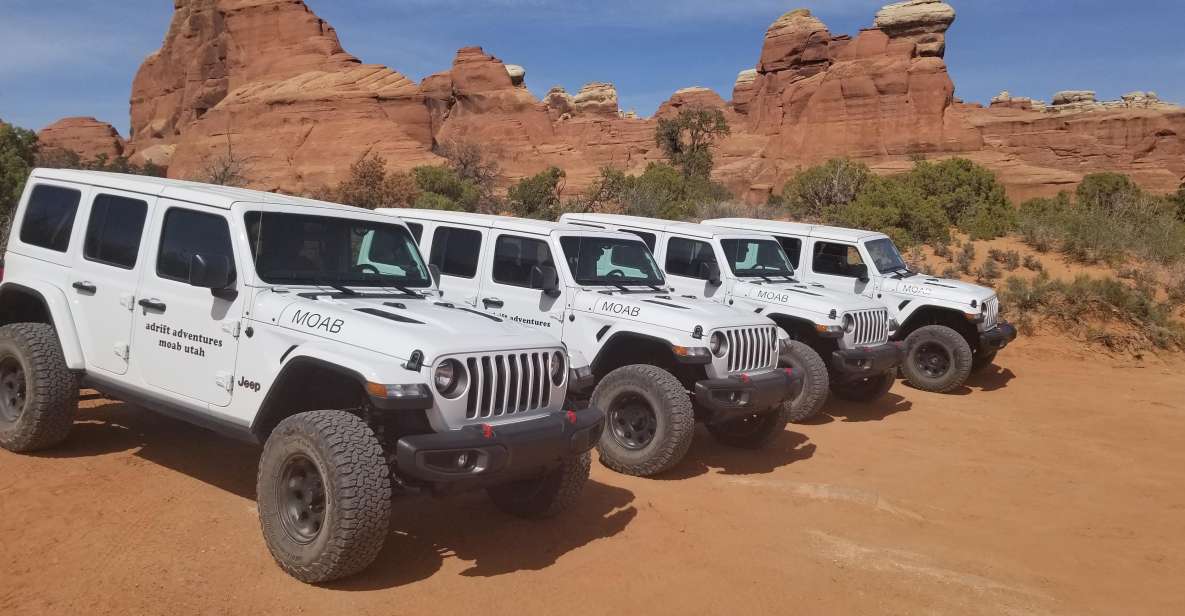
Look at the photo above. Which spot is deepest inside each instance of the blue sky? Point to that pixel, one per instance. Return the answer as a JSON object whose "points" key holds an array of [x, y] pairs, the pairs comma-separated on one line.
{"points": [[78, 57]]}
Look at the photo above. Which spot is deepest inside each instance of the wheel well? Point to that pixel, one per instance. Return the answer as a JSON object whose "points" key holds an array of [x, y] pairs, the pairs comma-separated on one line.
{"points": [[804, 331], [933, 315], [625, 348], [306, 384], [22, 305]]}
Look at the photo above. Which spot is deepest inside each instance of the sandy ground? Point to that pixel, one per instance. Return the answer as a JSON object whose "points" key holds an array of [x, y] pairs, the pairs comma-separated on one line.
{"points": [[1055, 484]]}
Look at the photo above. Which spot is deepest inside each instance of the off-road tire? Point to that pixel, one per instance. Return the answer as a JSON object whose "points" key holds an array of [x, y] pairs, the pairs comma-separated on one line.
{"points": [[959, 358], [673, 412], [41, 392], [867, 389], [752, 432], [982, 360], [810, 399], [356, 494], [546, 496]]}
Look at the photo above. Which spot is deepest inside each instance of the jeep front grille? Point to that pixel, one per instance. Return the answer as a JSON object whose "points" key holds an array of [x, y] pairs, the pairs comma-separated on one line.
{"points": [[508, 383], [751, 348], [991, 312], [872, 327]]}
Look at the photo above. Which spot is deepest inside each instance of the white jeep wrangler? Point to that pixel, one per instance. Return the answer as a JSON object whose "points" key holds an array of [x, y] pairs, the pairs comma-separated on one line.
{"points": [[950, 328], [840, 342], [658, 361], [309, 327]]}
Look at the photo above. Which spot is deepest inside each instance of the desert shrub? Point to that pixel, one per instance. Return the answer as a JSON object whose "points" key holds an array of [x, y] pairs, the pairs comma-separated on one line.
{"points": [[370, 185], [437, 181], [18, 151], [915, 258], [1033, 263], [942, 249], [474, 162], [969, 194], [1010, 259], [812, 194], [965, 258], [951, 272], [987, 272], [537, 196], [686, 139], [899, 210], [661, 191]]}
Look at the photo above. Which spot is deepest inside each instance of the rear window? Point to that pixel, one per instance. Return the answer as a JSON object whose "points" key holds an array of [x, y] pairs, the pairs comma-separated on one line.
{"points": [[49, 217], [792, 246], [186, 233], [114, 230]]}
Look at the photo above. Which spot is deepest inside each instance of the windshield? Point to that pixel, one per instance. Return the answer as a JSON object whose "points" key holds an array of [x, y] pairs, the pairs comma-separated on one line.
{"points": [[885, 256], [752, 257], [610, 261], [300, 249]]}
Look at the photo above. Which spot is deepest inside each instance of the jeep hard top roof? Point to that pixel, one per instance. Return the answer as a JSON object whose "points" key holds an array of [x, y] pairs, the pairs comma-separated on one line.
{"points": [[181, 190], [510, 223], [658, 225], [840, 234]]}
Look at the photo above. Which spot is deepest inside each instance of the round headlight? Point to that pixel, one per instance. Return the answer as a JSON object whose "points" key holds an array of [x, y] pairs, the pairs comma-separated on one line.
{"points": [[718, 344], [449, 377], [558, 368], [849, 324]]}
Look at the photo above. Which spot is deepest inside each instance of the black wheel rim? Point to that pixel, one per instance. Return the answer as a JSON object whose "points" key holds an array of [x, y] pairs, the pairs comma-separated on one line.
{"points": [[301, 493], [13, 389], [633, 422], [932, 359]]}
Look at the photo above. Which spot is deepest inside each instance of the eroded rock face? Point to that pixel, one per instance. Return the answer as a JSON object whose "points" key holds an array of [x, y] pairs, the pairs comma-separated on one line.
{"points": [[795, 41], [87, 137], [597, 98], [915, 17], [518, 74], [742, 90], [689, 98]]}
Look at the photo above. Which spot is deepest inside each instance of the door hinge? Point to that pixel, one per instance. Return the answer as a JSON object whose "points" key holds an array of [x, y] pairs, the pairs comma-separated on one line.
{"points": [[128, 301], [232, 328], [122, 350], [225, 380]]}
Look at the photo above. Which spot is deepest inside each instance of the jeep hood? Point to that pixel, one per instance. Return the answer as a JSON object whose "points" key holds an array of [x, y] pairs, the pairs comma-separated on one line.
{"points": [[803, 296], [396, 326], [924, 286], [664, 310]]}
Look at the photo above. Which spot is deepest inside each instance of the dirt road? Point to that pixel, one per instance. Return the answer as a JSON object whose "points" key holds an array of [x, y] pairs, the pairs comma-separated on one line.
{"points": [[1055, 484]]}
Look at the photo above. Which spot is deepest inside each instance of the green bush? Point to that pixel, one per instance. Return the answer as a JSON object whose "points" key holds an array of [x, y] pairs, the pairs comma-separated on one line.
{"points": [[812, 194], [661, 191], [371, 186], [537, 196], [969, 194], [899, 210], [440, 183], [686, 139], [18, 151]]}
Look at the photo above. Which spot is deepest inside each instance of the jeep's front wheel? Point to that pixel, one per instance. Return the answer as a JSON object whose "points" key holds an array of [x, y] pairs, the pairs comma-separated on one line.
{"points": [[867, 389], [937, 359], [324, 495], [38, 393], [810, 399], [548, 495], [649, 420]]}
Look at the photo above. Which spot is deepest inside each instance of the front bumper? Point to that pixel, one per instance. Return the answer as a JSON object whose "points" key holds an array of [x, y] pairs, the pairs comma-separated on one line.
{"points": [[488, 454], [744, 394], [865, 361], [997, 337]]}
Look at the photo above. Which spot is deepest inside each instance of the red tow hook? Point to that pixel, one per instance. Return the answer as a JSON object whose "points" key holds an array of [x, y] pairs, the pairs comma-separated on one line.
{"points": [[572, 417], [789, 371], [745, 378], [487, 431]]}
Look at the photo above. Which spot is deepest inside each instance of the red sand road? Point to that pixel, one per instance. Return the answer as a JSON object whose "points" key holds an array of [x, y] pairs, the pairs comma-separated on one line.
{"points": [[1054, 484]]}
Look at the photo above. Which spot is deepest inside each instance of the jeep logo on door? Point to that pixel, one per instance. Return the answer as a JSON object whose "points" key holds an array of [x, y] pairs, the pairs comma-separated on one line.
{"points": [[620, 309]]}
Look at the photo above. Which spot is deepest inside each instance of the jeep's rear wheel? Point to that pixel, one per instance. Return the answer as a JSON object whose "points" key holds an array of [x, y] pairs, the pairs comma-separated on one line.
{"points": [[810, 399], [38, 393], [324, 495], [649, 420], [866, 389], [753, 431], [937, 359], [546, 496]]}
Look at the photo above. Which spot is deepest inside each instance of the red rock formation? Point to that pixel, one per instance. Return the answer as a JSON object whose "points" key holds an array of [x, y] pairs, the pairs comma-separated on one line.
{"points": [[87, 137], [271, 79]]}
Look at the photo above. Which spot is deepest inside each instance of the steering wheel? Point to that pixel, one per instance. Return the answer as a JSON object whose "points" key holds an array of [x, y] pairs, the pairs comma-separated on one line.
{"points": [[615, 274], [362, 267]]}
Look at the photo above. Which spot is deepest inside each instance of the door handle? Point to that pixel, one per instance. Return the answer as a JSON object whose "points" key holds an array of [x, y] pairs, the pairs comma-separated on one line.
{"points": [[153, 304], [493, 302], [85, 286]]}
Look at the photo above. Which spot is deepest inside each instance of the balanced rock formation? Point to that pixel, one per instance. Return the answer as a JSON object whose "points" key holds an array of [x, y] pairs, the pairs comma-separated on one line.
{"points": [[87, 137], [268, 81]]}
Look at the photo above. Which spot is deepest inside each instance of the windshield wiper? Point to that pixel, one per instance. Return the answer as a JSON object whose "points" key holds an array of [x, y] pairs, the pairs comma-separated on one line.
{"points": [[340, 288]]}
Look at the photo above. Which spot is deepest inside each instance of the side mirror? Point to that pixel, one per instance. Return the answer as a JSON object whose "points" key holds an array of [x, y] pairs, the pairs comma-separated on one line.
{"points": [[547, 279], [710, 272], [860, 271], [210, 271], [434, 271]]}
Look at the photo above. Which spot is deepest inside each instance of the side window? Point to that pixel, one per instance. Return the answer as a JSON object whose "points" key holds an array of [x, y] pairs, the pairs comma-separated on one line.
{"points": [[647, 238], [515, 260], [835, 259], [186, 233], [417, 230], [792, 247], [114, 230], [49, 217], [689, 258], [455, 251]]}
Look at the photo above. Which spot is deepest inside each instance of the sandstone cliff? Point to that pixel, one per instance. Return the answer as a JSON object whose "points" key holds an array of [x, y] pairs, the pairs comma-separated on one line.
{"points": [[272, 79], [88, 137]]}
